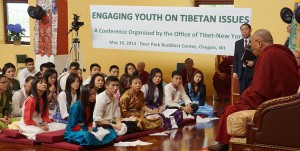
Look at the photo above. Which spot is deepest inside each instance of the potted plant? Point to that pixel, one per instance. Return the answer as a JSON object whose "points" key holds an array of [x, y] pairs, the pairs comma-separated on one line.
{"points": [[15, 32]]}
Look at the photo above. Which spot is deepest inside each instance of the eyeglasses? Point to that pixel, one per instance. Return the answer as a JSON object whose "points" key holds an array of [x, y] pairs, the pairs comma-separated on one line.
{"points": [[254, 41]]}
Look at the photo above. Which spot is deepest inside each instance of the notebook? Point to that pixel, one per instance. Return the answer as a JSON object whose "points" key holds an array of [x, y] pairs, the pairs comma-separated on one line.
{"points": [[248, 55]]}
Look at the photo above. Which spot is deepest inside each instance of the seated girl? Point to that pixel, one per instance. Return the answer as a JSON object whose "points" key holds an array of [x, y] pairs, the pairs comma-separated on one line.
{"points": [[67, 98], [154, 92], [50, 77], [123, 85], [5, 107], [196, 90], [130, 69], [132, 106], [13, 85], [35, 117], [98, 82], [80, 128], [20, 96], [154, 95]]}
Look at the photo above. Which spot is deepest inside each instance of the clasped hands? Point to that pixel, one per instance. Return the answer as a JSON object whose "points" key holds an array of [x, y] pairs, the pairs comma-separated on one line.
{"points": [[44, 126], [187, 109], [5, 120]]}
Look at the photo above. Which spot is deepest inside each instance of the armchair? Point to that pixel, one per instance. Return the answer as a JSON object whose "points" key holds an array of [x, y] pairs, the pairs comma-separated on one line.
{"points": [[275, 125]]}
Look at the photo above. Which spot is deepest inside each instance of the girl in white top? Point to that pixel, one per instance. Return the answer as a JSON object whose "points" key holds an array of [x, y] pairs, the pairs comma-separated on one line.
{"points": [[68, 97], [50, 77], [154, 92], [20, 96], [35, 117]]}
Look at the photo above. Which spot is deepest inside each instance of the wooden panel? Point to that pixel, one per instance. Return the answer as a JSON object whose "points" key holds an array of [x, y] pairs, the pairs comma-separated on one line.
{"points": [[235, 84], [235, 97], [62, 30], [235, 92]]}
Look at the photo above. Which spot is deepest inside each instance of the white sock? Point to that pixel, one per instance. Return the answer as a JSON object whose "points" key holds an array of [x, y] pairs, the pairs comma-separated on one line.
{"points": [[173, 122]]}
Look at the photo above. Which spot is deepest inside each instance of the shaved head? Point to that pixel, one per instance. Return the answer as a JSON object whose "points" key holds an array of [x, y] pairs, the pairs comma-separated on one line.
{"points": [[140, 66], [263, 35], [260, 40]]}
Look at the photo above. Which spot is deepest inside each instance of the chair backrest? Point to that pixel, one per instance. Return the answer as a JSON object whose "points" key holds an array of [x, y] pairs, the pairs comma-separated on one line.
{"points": [[180, 66], [20, 62], [21, 58]]}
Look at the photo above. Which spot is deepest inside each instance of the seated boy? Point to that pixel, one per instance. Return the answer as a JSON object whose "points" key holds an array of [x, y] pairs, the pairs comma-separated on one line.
{"points": [[106, 111], [174, 93]]}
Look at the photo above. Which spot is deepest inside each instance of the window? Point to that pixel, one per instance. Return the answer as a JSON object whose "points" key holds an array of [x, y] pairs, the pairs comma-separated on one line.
{"points": [[216, 6], [15, 11], [213, 3]]}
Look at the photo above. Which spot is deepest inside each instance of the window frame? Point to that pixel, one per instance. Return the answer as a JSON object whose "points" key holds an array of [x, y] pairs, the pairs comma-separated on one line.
{"points": [[5, 19], [199, 2]]}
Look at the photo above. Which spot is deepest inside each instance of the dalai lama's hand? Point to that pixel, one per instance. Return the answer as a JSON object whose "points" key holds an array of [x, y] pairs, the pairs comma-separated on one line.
{"points": [[222, 76]]}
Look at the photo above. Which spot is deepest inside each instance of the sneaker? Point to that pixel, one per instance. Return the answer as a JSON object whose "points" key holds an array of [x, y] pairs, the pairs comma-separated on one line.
{"points": [[218, 147]]}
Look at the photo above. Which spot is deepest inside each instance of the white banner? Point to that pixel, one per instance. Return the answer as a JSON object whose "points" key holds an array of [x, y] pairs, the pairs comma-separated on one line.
{"points": [[168, 29]]}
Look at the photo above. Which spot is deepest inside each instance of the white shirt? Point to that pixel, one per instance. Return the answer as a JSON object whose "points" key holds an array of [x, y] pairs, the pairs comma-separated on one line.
{"points": [[87, 81], [106, 108], [17, 102], [172, 96], [24, 73], [62, 80], [62, 102]]}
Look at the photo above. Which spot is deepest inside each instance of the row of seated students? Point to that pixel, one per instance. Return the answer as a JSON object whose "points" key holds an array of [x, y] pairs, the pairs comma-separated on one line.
{"points": [[140, 106]]}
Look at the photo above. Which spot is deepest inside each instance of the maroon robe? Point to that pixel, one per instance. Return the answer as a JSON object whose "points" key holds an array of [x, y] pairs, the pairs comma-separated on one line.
{"points": [[187, 77], [144, 76], [275, 75], [223, 86]]}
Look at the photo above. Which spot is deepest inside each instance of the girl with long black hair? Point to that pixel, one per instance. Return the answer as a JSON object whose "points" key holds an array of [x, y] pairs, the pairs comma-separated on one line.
{"points": [[196, 90], [35, 118], [79, 129]]}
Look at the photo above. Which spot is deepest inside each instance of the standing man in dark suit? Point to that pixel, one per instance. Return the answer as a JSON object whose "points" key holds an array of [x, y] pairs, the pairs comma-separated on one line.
{"points": [[243, 71]]}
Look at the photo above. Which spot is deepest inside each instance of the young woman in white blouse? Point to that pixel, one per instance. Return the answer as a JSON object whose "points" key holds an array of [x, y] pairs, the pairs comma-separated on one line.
{"points": [[67, 98]]}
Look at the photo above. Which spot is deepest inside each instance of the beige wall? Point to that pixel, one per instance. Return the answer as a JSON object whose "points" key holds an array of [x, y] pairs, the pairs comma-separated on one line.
{"points": [[265, 15]]}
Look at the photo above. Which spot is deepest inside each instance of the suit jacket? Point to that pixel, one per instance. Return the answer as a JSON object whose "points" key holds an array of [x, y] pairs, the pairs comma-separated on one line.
{"points": [[237, 62]]}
